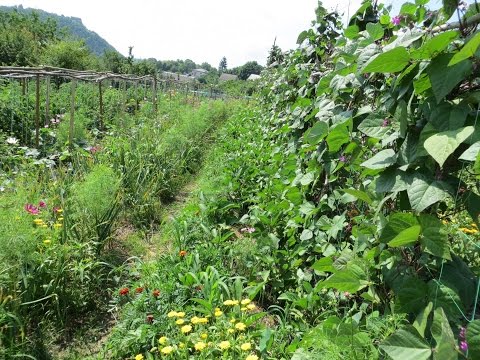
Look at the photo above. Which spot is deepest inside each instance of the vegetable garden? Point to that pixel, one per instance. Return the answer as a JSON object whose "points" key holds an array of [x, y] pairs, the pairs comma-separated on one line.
{"points": [[337, 217]]}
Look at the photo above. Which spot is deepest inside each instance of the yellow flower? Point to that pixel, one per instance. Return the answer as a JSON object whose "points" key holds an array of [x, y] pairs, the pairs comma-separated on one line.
{"points": [[217, 309], [232, 321], [139, 357], [474, 225], [57, 226], [47, 241], [230, 331], [181, 345], [251, 357], [186, 329], [202, 320], [251, 307], [163, 340], [180, 322], [180, 314], [59, 211], [246, 301], [204, 336], [199, 346], [60, 219], [246, 346], [243, 308], [230, 302], [172, 314], [44, 226], [224, 345], [218, 313], [166, 350], [240, 326], [197, 320], [38, 221]]}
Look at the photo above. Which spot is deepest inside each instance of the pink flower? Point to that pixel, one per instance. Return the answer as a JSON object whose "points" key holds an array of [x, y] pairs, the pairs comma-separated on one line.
{"points": [[31, 209], [463, 346], [396, 20], [385, 123], [248, 230], [42, 204]]}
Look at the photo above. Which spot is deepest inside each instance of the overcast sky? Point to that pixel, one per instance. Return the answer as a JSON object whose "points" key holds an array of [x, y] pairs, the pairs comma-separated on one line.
{"points": [[199, 30]]}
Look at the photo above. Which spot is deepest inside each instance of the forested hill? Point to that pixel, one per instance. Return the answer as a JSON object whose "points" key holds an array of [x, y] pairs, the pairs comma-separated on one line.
{"points": [[74, 26]]}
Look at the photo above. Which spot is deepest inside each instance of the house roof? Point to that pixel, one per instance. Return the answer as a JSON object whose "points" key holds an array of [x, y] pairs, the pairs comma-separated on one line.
{"points": [[253, 77], [225, 77]]}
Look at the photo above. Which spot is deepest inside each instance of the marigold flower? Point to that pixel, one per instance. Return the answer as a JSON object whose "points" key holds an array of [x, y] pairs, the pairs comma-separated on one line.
{"points": [[139, 290], [243, 308], [172, 314], [38, 221], [44, 226], [245, 301], [180, 322], [180, 314], [166, 350], [139, 357], [240, 326], [251, 357], [47, 241], [251, 307], [163, 340], [224, 345], [57, 225], [218, 313], [199, 346], [182, 253], [124, 291], [181, 345], [232, 321], [204, 336], [230, 302], [156, 293], [230, 331], [186, 329], [246, 346]]}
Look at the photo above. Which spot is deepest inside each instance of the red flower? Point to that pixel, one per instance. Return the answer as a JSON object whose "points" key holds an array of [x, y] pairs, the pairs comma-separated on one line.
{"points": [[139, 290], [156, 293], [31, 209], [182, 253], [42, 204], [149, 319], [124, 291]]}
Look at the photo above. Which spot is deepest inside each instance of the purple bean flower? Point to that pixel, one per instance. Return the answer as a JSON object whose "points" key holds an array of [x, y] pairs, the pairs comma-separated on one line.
{"points": [[385, 123], [342, 158], [396, 20], [463, 346]]}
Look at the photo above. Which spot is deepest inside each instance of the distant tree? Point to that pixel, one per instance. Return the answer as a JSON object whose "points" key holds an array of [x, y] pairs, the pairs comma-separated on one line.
{"points": [[222, 67], [113, 61], [251, 67], [275, 55], [70, 55], [206, 66], [189, 65], [144, 67]]}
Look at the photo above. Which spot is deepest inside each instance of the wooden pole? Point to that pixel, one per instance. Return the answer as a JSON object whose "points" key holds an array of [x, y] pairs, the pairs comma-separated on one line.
{"points": [[154, 95], [37, 111], [24, 90], [72, 113], [47, 101], [100, 106]]}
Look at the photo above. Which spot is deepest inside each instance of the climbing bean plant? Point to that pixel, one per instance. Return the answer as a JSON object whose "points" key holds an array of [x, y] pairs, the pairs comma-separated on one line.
{"points": [[365, 173]]}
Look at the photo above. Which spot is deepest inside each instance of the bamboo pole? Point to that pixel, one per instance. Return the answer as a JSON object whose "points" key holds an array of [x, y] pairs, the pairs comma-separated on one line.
{"points": [[72, 113], [154, 96]]}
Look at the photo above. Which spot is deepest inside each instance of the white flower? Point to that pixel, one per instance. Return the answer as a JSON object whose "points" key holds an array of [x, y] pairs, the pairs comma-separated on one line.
{"points": [[12, 141]]}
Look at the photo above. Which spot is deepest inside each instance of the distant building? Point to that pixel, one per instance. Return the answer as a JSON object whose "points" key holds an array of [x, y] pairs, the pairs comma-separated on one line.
{"points": [[226, 77], [254, 77], [197, 73]]}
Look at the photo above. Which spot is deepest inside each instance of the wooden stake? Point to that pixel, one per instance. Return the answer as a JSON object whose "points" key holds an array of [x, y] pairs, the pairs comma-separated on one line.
{"points": [[37, 111], [72, 113], [47, 101], [154, 95], [100, 106]]}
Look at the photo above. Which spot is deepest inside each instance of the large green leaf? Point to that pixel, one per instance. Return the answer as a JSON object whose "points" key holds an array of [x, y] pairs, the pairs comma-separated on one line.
{"points": [[423, 192], [397, 224], [373, 126], [391, 61], [449, 7], [440, 146], [375, 30], [442, 333], [324, 264], [434, 238], [392, 180], [445, 297], [444, 78], [316, 133], [448, 116], [471, 153], [406, 237], [473, 339], [435, 45], [359, 195], [411, 295], [351, 279], [421, 320], [381, 160], [406, 344], [337, 137], [467, 51], [351, 32]]}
